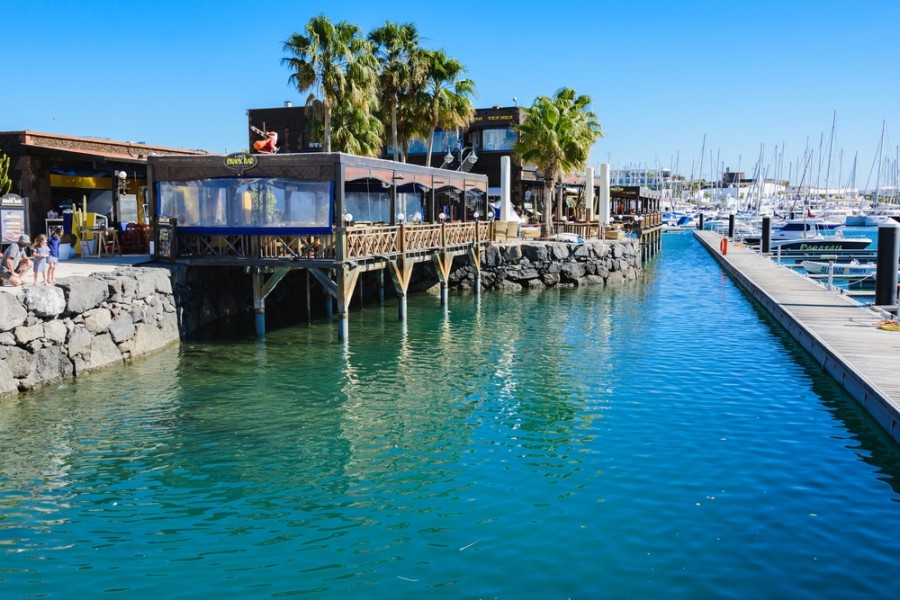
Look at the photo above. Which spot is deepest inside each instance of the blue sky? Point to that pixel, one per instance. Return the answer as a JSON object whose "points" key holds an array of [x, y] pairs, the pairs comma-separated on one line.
{"points": [[747, 75]]}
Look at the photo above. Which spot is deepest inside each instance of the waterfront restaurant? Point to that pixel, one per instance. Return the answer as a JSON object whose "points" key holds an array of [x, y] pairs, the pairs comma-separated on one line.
{"points": [[334, 214]]}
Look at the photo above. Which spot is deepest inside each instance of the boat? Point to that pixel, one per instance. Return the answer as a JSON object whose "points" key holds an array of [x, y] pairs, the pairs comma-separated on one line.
{"points": [[814, 235], [822, 243], [795, 228], [683, 223], [853, 268]]}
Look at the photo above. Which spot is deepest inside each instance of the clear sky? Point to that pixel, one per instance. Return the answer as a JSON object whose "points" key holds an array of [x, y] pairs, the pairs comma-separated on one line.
{"points": [[747, 75]]}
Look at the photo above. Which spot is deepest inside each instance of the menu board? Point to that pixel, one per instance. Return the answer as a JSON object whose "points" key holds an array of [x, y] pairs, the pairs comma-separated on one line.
{"points": [[13, 217], [164, 249], [12, 223]]}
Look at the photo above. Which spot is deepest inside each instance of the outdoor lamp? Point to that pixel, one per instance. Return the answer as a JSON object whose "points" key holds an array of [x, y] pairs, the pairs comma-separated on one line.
{"points": [[448, 158], [400, 217], [348, 218], [442, 216], [476, 214]]}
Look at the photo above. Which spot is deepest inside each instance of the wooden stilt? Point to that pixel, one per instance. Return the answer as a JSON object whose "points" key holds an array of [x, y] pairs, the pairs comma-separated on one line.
{"points": [[261, 289], [341, 290], [347, 276], [475, 262], [401, 273], [443, 262]]}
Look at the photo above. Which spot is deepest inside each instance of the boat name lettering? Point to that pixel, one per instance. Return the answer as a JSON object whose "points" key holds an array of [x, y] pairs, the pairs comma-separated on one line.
{"points": [[821, 247]]}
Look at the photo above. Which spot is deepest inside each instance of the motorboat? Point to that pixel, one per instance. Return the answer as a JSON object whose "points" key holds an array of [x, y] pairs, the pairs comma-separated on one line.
{"points": [[814, 235], [854, 268], [822, 243]]}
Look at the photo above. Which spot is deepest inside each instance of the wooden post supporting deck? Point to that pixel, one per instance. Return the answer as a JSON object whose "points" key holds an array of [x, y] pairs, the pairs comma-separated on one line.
{"points": [[346, 276], [381, 287], [475, 261], [401, 272], [261, 289]]}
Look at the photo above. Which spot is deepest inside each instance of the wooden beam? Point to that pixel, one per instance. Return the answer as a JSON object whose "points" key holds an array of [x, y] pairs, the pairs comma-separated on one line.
{"points": [[401, 273], [443, 262], [273, 281], [323, 278]]}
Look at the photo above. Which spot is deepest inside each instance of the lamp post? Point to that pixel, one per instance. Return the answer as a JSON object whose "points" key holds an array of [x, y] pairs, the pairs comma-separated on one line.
{"points": [[464, 158]]}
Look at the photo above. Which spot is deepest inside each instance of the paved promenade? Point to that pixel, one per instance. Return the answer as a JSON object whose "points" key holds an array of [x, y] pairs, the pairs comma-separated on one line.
{"points": [[83, 266], [840, 333]]}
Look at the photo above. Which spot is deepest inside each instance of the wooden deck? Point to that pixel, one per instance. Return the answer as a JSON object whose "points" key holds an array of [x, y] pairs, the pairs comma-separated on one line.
{"points": [[840, 333]]}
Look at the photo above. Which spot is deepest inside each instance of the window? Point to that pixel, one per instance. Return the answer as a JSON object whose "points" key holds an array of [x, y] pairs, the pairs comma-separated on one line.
{"points": [[443, 141], [249, 205], [498, 139]]}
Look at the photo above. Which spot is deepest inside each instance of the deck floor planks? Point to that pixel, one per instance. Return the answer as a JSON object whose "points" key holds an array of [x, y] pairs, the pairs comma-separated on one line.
{"points": [[831, 326]]}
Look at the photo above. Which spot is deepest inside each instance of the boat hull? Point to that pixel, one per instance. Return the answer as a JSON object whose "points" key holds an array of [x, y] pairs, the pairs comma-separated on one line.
{"points": [[825, 245], [839, 269]]}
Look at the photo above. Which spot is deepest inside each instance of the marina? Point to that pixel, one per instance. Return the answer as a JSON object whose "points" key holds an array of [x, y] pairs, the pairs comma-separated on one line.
{"points": [[582, 442]]}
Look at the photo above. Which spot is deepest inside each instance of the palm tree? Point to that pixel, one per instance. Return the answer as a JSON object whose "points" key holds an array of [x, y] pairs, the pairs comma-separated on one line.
{"points": [[446, 94], [556, 136], [396, 45], [336, 64], [353, 130]]}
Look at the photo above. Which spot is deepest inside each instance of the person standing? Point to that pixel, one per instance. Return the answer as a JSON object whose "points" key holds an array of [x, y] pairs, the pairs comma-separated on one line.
{"points": [[41, 253], [53, 259], [15, 264]]}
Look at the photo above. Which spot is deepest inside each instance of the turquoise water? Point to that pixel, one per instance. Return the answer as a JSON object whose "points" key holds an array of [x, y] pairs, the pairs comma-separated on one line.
{"points": [[661, 440]]}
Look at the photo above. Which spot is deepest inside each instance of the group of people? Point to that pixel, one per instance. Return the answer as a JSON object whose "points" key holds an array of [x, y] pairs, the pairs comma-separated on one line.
{"points": [[16, 263]]}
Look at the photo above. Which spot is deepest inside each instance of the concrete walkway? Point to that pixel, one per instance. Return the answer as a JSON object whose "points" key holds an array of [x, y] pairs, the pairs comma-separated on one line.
{"points": [[84, 267], [840, 334]]}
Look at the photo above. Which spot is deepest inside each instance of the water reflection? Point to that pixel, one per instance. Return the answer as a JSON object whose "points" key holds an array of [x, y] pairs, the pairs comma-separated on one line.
{"points": [[663, 430]]}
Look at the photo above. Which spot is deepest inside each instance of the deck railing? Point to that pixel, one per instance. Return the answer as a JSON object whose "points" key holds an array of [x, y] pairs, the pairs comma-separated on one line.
{"points": [[362, 242]]}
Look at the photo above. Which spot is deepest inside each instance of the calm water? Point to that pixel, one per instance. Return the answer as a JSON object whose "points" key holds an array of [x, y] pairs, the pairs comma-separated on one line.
{"points": [[664, 440]]}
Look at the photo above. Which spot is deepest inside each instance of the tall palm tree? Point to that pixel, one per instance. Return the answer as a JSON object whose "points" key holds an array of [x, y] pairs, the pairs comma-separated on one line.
{"points": [[556, 136], [447, 94], [396, 45], [336, 64]]}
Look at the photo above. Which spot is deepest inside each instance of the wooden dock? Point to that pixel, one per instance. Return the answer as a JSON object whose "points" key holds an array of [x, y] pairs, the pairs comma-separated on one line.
{"points": [[839, 333]]}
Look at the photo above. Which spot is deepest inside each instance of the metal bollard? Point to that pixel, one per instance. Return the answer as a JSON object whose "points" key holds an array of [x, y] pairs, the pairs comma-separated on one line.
{"points": [[886, 272]]}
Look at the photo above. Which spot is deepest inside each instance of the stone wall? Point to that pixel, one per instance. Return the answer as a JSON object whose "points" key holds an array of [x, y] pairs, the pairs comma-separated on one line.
{"points": [[52, 333], [515, 266]]}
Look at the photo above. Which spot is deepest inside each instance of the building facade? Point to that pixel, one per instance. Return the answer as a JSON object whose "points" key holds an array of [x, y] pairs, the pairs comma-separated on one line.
{"points": [[56, 172]]}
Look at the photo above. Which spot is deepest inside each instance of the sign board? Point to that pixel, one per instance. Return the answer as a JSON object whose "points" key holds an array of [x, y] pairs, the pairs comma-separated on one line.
{"points": [[165, 240], [13, 218], [128, 208], [240, 161]]}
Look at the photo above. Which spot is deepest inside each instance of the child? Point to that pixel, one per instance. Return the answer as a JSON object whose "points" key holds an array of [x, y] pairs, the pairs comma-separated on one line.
{"points": [[41, 255], [53, 259]]}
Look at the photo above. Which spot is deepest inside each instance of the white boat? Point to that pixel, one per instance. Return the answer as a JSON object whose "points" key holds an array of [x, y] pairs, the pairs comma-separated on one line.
{"points": [[840, 269], [822, 243]]}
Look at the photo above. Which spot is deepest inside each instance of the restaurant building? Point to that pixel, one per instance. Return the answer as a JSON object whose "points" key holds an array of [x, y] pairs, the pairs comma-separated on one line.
{"points": [[55, 172]]}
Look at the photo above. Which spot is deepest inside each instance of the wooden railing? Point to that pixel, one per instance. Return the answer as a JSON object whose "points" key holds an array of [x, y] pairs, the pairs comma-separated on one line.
{"points": [[361, 242]]}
